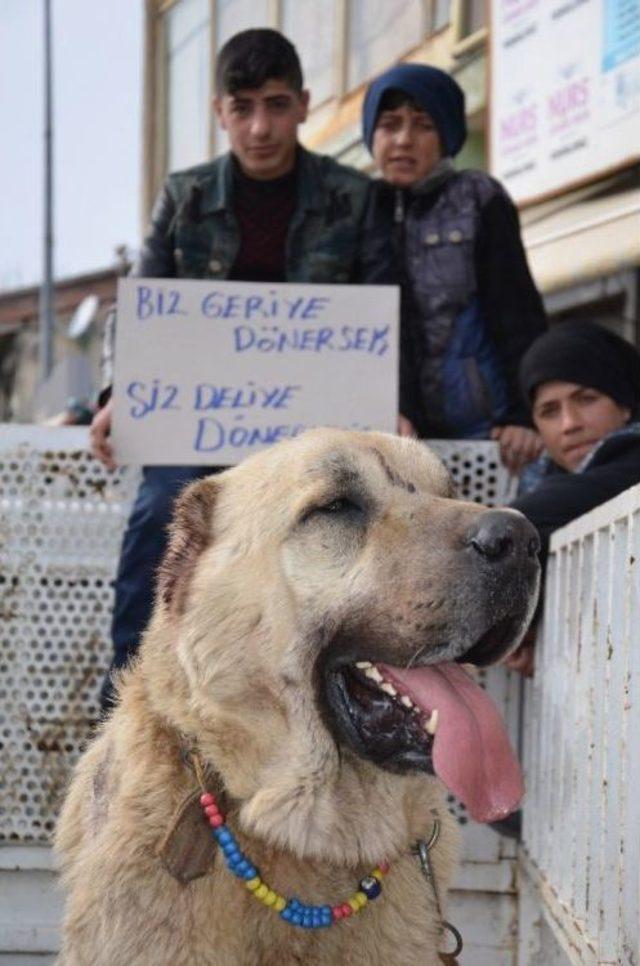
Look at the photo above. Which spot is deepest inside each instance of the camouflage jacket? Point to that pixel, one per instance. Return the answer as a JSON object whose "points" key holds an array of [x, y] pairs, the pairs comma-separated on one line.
{"points": [[194, 233]]}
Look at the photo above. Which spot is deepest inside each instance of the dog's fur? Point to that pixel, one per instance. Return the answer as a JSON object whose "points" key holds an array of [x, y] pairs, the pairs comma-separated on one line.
{"points": [[252, 589]]}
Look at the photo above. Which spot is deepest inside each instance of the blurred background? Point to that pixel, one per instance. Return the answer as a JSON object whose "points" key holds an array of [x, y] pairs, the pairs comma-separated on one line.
{"points": [[553, 101]]}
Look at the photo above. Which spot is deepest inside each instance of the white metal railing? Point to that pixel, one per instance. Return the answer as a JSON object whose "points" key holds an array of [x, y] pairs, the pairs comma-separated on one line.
{"points": [[582, 740]]}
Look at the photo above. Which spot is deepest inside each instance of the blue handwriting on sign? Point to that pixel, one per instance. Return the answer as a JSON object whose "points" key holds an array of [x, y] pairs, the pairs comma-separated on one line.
{"points": [[208, 396], [212, 435], [157, 301], [345, 338], [151, 396], [218, 305]]}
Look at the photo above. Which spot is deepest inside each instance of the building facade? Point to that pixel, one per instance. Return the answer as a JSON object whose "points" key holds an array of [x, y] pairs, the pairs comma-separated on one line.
{"points": [[583, 239]]}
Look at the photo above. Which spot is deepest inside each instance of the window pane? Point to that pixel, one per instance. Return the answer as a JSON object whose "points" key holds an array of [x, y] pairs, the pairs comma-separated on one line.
{"points": [[441, 13], [313, 38], [475, 15], [236, 15], [188, 70], [381, 31]]}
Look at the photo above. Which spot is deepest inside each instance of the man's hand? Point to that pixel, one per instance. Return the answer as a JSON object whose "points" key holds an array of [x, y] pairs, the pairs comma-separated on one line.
{"points": [[99, 434], [405, 427], [518, 445]]}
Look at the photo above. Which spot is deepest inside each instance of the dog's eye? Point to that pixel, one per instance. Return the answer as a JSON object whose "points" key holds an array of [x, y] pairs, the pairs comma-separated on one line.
{"points": [[339, 507], [343, 505]]}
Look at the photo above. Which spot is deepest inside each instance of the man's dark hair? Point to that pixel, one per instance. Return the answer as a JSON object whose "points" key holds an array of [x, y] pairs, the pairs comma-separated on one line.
{"points": [[252, 57], [394, 98]]}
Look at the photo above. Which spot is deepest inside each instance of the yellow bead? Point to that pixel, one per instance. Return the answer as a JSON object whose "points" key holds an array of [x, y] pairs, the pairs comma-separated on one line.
{"points": [[261, 891], [280, 903], [252, 884], [270, 898], [361, 899], [377, 874], [353, 902]]}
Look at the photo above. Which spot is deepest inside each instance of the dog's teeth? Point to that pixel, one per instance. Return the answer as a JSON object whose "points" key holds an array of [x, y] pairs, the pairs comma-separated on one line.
{"points": [[363, 665], [374, 674], [432, 723], [406, 701], [388, 689]]}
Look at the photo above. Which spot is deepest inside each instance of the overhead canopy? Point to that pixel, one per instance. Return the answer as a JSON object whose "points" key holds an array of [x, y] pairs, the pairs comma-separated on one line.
{"points": [[579, 241]]}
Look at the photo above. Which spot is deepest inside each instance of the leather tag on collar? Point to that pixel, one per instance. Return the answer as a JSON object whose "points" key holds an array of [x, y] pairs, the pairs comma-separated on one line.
{"points": [[188, 850]]}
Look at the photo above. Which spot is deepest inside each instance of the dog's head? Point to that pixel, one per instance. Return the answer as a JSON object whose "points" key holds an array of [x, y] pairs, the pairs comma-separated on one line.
{"points": [[321, 597]]}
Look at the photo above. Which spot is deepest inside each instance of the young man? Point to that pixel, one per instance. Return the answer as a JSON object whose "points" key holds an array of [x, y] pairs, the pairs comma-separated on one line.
{"points": [[471, 307], [582, 383], [267, 211]]}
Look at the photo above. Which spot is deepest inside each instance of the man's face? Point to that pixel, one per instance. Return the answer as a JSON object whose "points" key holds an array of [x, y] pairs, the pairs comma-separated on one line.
{"points": [[406, 145], [571, 419], [262, 125]]}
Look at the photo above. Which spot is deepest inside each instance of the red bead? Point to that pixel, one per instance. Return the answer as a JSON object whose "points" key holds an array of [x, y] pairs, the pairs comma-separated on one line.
{"points": [[346, 910], [215, 821], [207, 799], [383, 866], [337, 913], [212, 810]]}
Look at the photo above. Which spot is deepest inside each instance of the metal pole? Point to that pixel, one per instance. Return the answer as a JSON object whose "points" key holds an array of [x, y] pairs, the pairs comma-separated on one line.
{"points": [[46, 291]]}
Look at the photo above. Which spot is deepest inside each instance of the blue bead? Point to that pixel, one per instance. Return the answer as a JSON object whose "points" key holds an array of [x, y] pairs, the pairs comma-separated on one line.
{"points": [[286, 914], [370, 886], [249, 872], [295, 904], [224, 836], [296, 918]]}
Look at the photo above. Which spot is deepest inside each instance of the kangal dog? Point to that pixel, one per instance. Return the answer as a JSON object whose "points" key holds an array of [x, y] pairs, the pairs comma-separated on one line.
{"points": [[303, 667]]}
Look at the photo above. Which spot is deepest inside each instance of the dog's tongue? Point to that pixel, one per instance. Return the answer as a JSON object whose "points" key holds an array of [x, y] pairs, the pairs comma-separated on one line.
{"points": [[471, 751]]}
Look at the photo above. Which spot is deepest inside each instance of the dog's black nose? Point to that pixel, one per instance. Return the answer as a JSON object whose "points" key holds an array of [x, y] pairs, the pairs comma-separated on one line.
{"points": [[501, 535]]}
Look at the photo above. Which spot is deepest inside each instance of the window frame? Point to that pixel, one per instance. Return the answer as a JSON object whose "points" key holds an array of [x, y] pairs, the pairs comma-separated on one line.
{"points": [[155, 124]]}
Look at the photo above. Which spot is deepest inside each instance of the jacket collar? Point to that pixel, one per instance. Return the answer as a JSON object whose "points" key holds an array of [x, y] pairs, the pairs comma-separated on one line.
{"points": [[443, 170], [217, 187]]}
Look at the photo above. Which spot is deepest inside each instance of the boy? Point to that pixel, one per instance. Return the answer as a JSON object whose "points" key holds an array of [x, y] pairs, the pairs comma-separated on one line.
{"points": [[471, 307], [266, 211]]}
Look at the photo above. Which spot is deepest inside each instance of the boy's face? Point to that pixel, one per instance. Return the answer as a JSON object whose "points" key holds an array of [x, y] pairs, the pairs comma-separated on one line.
{"points": [[262, 124], [406, 145], [571, 419]]}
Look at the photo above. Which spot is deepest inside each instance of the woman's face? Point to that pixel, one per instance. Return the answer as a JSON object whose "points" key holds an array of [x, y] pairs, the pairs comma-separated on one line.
{"points": [[406, 145], [572, 419]]}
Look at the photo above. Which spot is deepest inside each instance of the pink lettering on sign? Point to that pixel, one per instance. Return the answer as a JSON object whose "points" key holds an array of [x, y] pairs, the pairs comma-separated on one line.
{"points": [[571, 97], [520, 129], [569, 105]]}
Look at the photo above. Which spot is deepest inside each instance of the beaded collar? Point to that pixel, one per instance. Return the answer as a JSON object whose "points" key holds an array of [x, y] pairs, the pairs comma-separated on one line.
{"points": [[304, 915], [292, 910]]}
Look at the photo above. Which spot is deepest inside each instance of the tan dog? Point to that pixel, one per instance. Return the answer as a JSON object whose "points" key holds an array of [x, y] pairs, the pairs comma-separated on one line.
{"points": [[311, 609]]}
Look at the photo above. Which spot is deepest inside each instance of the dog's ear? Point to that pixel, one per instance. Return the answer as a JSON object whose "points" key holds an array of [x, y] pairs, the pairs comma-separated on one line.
{"points": [[189, 536]]}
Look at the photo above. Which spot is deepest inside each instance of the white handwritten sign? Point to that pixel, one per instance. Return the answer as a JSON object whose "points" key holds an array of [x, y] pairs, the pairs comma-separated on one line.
{"points": [[208, 372]]}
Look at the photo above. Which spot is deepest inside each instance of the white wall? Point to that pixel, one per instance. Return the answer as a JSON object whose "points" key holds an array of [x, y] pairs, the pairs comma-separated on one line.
{"points": [[97, 68]]}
